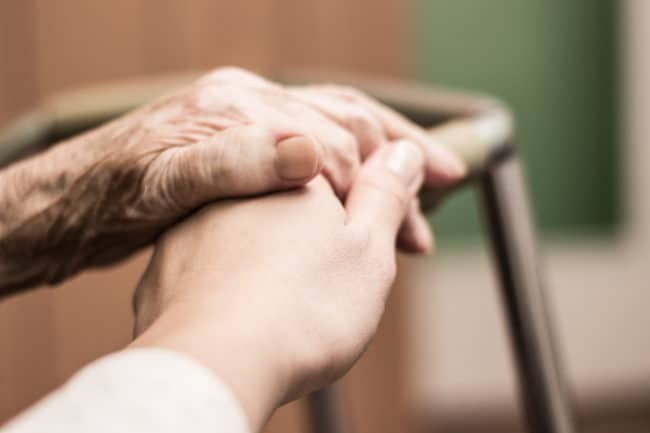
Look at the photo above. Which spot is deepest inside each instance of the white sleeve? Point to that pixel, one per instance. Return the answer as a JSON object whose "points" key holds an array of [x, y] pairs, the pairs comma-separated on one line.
{"points": [[137, 390]]}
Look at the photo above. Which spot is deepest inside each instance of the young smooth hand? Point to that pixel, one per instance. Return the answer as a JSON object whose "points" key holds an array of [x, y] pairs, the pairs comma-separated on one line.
{"points": [[280, 294]]}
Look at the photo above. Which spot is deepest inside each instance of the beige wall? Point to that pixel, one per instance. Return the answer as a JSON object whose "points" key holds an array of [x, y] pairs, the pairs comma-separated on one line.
{"points": [[46, 46]]}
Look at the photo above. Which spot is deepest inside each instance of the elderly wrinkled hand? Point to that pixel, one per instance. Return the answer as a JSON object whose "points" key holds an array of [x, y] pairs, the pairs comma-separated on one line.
{"points": [[96, 198]]}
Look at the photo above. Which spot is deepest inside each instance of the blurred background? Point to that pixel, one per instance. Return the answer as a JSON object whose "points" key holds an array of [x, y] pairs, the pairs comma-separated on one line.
{"points": [[577, 76]]}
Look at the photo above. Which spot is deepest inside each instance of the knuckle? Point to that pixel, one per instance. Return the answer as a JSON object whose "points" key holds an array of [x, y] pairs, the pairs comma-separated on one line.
{"points": [[366, 127], [233, 74], [344, 161], [226, 72], [348, 93], [348, 144], [360, 118]]}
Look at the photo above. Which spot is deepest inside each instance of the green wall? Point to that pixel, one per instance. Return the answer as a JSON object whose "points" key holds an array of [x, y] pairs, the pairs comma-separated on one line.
{"points": [[552, 61]]}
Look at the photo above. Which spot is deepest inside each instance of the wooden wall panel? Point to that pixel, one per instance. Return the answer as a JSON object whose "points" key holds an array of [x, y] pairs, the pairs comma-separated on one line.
{"points": [[363, 35], [71, 42], [164, 36], [231, 33], [79, 42], [375, 387], [17, 56], [92, 314], [26, 335]]}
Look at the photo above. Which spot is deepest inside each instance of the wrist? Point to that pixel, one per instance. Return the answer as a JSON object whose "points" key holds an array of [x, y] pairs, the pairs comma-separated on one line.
{"points": [[233, 347], [30, 188]]}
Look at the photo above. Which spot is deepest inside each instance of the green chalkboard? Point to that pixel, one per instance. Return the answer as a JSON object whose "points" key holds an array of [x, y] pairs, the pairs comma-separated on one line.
{"points": [[554, 63]]}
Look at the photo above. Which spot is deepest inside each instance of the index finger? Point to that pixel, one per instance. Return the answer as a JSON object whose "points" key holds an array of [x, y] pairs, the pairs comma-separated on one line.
{"points": [[442, 167]]}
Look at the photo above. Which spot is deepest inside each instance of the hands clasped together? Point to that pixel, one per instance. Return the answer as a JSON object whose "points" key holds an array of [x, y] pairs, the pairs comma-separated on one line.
{"points": [[279, 293]]}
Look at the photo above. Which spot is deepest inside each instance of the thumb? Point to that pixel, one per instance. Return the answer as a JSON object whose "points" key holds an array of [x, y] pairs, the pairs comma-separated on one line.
{"points": [[239, 161], [384, 188]]}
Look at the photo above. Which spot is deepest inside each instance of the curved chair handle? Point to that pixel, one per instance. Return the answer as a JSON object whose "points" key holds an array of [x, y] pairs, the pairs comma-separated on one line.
{"points": [[473, 126]]}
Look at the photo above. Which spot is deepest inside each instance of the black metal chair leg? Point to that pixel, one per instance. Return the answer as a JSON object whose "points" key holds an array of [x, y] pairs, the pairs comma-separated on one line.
{"points": [[509, 223], [325, 411]]}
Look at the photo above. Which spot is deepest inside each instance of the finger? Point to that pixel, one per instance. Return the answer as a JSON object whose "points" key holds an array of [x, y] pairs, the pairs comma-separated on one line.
{"points": [[233, 74], [341, 159], [442, 167], [340, 151], [239, 161], [355, 118], [415, 235], [381, 195]]}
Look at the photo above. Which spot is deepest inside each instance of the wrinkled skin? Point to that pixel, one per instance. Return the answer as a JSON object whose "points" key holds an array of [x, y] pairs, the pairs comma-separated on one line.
{"points": [[96, 198]]}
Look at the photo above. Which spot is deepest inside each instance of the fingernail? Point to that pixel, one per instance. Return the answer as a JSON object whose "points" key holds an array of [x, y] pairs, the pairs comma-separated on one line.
{"points": [[455, 167], [405, 159], [297, 158], [424, 235], [446, 163]]}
